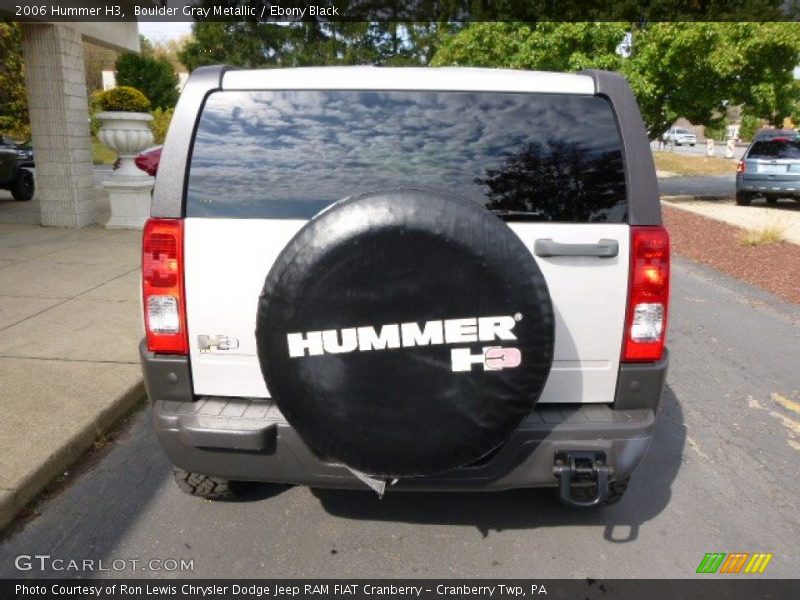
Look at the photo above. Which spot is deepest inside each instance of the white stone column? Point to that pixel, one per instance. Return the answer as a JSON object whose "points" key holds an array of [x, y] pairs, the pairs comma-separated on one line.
{"points": [[54, 74]]}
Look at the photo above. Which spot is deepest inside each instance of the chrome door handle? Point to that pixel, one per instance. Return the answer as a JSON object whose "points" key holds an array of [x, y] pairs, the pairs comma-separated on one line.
{"points": [[602, 249]]}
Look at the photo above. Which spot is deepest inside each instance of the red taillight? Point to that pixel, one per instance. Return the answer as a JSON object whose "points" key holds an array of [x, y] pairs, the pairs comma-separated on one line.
{"points": [[740, 167], [163, 295], [648, 295]]}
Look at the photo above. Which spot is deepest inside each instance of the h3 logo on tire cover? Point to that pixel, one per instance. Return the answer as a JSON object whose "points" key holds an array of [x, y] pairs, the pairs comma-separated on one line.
{"points": [[493, 358], [431, 333]]}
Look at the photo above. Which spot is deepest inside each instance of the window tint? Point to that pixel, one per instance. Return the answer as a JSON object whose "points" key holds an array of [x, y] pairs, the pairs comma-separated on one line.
{"points": [[775, 149], [289, 154]]}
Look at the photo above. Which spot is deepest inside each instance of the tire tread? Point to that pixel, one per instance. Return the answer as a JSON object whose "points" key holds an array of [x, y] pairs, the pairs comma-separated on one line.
{"points": [[204, 486]]}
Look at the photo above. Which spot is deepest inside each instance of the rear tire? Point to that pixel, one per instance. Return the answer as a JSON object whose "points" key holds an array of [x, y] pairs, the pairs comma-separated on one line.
{"points": [[744, 198], [23, 187], [208, 487], [413, 412]]}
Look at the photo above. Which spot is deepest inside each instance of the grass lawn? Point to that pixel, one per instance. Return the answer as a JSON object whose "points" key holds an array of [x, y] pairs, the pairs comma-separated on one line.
{"points": [[693, 164], [102, 155]]}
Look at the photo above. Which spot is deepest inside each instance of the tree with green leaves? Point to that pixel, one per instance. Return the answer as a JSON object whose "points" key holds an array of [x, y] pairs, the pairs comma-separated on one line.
{"points": [[145, 47], [253, 44], [155, 77], [692, 70], [766, 55], [535, 46], [13, 98], [697, 70], [169, 49], [96, 59]]}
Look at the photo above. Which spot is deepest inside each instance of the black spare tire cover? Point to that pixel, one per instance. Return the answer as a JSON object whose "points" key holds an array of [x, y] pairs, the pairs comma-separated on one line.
{"points": [[405, 332]]}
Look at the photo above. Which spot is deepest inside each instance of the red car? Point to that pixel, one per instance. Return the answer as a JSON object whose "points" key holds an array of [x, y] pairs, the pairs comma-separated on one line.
{"points": [[146, 160]]}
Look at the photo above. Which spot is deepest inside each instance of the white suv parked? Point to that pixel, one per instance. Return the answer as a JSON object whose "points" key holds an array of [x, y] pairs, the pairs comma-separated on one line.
{"points": [[406, 279], [680, 136]]}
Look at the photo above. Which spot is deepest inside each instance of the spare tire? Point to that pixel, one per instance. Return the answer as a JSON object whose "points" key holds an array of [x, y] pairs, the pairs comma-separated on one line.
{"points": [[405, 332]]}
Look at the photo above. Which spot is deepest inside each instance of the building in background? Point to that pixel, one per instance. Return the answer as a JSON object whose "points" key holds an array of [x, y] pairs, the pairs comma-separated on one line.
{"points": [[56, 90]]}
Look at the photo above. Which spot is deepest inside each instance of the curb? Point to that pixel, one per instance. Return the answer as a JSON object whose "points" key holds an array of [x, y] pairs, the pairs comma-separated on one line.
{"points": [[690, 198], [13, 501]]}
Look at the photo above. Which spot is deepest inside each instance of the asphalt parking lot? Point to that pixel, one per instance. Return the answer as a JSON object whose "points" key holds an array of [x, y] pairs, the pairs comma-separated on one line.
{"points": [[721, 476], [700, 149], [715, 186]]}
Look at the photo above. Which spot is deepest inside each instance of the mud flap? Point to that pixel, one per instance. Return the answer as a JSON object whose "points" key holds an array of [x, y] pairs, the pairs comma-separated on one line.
{"points": [[375, 484]]}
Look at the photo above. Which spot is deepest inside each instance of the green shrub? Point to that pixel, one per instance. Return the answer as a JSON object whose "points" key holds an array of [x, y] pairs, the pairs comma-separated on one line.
{"points": [[749, 127], [154, 77], [94, 107], [94, 100], [160, 123], [13, 99], [717, 131], [19, 132], [102, 155], [125, 99]]}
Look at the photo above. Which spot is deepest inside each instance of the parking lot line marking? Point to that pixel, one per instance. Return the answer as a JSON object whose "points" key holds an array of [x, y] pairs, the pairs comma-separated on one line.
{"points": [[785, 402]]}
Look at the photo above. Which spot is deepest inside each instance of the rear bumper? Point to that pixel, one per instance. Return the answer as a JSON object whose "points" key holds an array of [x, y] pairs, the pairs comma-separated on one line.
{"points": [[249, 439], [764, 185]]}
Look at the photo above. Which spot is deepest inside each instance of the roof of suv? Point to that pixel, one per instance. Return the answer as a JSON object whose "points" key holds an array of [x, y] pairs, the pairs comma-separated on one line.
{"points": [[643, 204], [767, 134], [408, 78]]}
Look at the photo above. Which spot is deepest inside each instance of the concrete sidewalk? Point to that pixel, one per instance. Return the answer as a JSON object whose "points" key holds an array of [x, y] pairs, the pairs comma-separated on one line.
{"points": [[70, 323]]}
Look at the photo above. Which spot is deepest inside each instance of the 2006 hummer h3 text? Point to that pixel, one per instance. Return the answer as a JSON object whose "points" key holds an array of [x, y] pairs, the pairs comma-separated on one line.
{"points": [[406, 279]]}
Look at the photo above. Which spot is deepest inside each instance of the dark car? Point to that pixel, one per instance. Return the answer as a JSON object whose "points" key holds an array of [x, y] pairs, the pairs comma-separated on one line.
{"points": [[770, 168], [16, 160]]}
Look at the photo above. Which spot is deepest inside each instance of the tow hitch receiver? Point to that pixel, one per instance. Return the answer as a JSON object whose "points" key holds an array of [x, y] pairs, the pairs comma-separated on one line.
{"points": [[581, 467]]}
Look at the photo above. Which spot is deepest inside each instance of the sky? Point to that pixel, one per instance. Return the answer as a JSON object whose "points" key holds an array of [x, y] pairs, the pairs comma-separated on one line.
{"points": [[161, 31]]}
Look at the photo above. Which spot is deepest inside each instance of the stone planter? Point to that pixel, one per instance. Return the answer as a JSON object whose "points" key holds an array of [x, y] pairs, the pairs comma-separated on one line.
{"points": [[129, 189]]}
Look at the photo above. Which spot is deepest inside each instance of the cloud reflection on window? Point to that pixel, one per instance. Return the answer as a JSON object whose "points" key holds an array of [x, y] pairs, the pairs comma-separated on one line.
{"points": [[285, 154]]}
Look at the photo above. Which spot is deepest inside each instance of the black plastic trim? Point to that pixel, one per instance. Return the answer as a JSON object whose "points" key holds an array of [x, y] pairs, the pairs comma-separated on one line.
{"points": [[640, 385], [546, 248], [248, 439], [166, 376], [174, 166], [644, 207], [201, 432]]}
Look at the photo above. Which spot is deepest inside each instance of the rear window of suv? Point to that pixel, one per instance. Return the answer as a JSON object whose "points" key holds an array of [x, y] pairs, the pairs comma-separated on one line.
{"points": [[776, 148], [290, 154]]}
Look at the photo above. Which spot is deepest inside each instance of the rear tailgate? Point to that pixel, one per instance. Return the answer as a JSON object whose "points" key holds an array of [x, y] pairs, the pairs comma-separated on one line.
{"points": [[774, 161], [224, 279], [759, 169], [265, 162]]}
